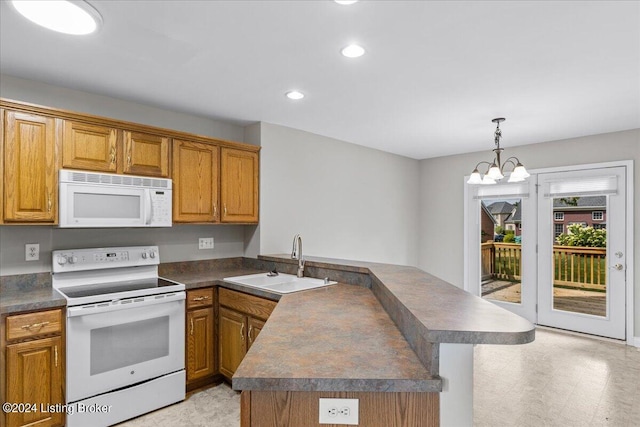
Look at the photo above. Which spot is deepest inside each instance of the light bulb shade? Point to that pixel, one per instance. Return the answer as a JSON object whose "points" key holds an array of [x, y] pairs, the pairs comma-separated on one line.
{"points": [[487, 180], [494, 172], [63, 16], [515, 178], [475, 178], [519, 172]]}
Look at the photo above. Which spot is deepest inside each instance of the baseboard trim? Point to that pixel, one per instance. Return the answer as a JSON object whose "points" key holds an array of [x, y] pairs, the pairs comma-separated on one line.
{"points": [[636, 342]]}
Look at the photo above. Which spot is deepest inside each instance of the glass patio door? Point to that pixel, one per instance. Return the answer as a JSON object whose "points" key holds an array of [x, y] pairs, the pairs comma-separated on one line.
{"points": [[581, 259], [502, 242]]}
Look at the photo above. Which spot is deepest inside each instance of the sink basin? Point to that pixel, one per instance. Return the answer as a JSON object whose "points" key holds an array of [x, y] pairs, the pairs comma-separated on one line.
{"points": [[282, 283]]}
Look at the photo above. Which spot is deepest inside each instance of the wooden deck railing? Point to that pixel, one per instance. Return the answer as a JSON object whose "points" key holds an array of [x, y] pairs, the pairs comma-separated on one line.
{"points": [[573, 266], [580, 267]]}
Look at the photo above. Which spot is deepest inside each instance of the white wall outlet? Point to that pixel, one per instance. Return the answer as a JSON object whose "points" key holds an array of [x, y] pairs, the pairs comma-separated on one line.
{"points": [[205, 243], [32, 251], [339, 411]]}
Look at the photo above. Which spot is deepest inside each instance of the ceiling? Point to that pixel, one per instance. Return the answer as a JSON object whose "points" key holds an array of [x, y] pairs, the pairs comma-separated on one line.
{"points": [[434, 75]]}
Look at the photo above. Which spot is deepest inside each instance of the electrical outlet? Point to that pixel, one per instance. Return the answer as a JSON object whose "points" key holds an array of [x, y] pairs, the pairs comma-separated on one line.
{"points": [[205, 243], [32, 251], [339, 411]]}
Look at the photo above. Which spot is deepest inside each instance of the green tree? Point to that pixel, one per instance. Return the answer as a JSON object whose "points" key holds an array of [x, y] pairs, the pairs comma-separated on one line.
{"points": [[579, 235]]}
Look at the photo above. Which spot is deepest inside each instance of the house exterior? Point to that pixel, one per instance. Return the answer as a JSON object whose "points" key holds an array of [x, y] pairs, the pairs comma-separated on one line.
{"points": [[590, 211], [514, 222], [487, 224], [501, 211]]}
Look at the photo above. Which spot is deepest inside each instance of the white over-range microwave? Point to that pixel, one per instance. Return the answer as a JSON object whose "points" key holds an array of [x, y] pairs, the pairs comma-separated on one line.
{"points": [[97, 200]]}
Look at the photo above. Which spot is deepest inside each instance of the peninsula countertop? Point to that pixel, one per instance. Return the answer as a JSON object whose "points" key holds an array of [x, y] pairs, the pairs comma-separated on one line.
{"points": [[350, 338]]}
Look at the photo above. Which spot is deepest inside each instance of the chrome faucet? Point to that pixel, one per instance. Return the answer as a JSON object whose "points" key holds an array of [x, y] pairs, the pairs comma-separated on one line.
{"points": [[296, 253]]}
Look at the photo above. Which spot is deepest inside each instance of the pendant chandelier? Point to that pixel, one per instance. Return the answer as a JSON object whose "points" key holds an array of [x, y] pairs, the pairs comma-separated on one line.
{"points": [[496, 169]]}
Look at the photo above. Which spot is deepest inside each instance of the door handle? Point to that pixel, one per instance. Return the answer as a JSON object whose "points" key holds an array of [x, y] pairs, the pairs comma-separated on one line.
{"points": [[618, 266], [148, 207]]}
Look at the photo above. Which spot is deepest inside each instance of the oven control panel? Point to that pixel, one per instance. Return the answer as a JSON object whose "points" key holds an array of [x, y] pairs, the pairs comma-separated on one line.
{"points": [[102, 258]]}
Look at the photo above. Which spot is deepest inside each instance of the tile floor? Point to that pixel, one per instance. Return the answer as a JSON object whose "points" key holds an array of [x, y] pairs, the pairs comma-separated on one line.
{"points": [[558, 380]]}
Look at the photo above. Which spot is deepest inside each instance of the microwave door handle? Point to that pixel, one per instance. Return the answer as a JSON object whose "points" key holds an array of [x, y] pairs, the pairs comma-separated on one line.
{"points": [[148, 207]]}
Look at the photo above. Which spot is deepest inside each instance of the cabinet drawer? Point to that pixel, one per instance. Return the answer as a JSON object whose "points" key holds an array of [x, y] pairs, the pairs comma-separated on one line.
{"points": [[199, 298], [257, 307], [34, 324]]}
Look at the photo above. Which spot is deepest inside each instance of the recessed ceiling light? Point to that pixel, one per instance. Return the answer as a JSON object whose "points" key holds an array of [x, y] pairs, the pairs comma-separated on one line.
{"points": [[63, 16], [353, 51], [346, 2], [294, 94]]}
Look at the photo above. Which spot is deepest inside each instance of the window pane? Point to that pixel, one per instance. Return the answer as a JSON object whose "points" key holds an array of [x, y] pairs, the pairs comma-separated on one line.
{"points": [[579, 255], [500, 240]]}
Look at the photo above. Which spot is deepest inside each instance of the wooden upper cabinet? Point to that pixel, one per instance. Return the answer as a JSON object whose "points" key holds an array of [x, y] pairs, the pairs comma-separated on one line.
{"points": [[31, 145], [90, 147], [195, 181], [239, 185], [146, 154]]}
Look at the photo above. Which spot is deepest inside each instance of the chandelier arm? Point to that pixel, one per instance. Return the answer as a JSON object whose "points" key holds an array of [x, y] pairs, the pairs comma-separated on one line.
{"points": [[510, 160], [485, 163]]}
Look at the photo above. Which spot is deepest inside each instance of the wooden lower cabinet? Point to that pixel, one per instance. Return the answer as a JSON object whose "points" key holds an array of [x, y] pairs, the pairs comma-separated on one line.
{"points": [[200, 351], [241, 317], [233, 342], [200, 355], [255, 326], [301, 408], [33, 369]]}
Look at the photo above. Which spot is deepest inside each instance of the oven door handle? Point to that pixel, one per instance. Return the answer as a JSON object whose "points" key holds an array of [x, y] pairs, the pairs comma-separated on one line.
{"points": [[125, 304]]}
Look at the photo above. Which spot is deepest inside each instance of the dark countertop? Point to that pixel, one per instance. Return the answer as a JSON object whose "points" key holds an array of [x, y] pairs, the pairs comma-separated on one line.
{"points": [[31, 292], [439, 311], [28, 292], [336, 338], [381, 336]]}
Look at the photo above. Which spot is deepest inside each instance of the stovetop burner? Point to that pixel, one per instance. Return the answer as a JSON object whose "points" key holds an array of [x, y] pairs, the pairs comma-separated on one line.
{"points": [[108, 289], [87, 276]]}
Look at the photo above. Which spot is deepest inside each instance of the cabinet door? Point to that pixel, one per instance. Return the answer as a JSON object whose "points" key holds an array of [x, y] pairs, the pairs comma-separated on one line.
{"points": [[90, 147], [195, 182], [34, 375], [200, 351], [255, 326], [233, 340], [239, 185], [30, 171], [146, 154]]}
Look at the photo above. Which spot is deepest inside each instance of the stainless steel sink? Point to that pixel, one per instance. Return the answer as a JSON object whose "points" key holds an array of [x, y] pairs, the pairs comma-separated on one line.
{"points": [[282, 283]]}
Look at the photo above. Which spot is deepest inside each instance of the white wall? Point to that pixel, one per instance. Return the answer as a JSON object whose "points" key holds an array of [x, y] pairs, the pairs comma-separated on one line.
{"points": [[442, 195], [74, 100], [177, 243], [346, 201]]}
